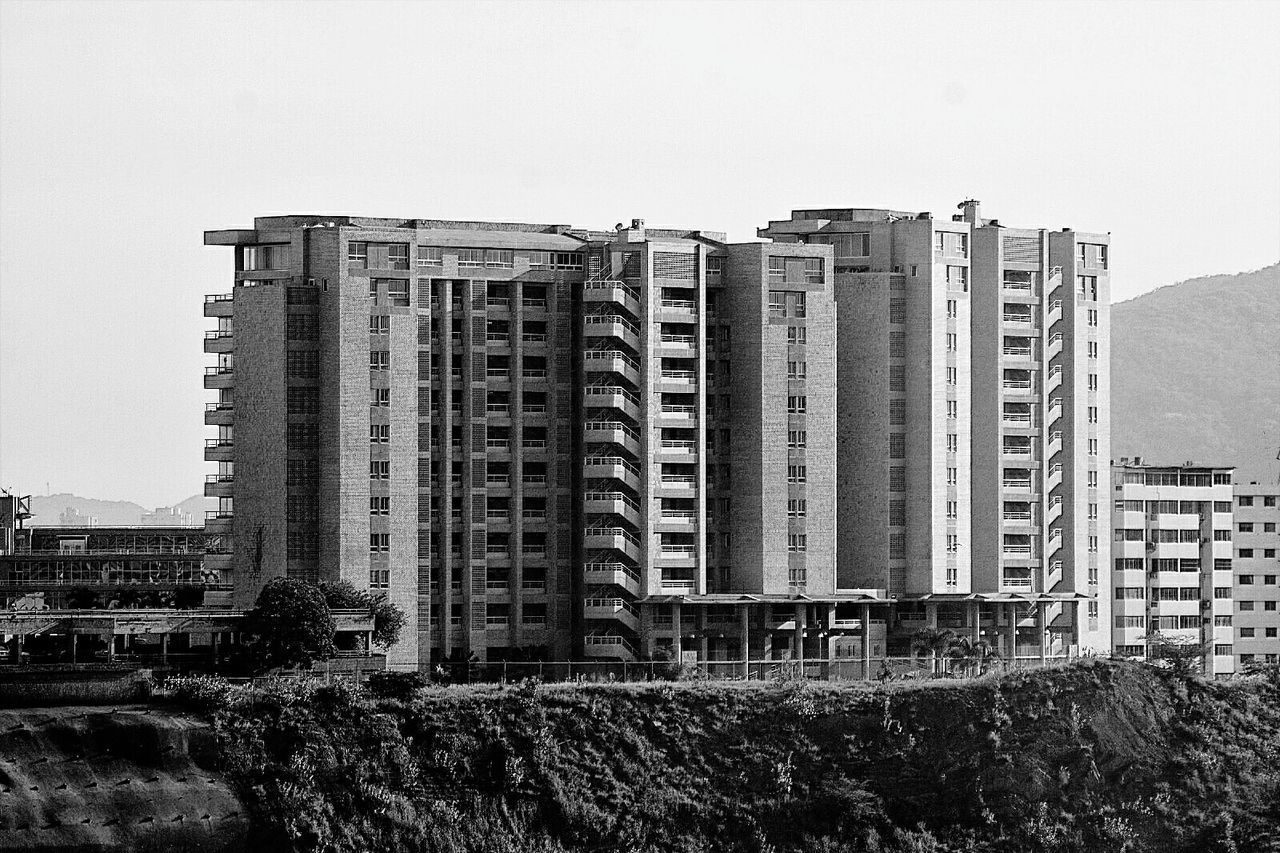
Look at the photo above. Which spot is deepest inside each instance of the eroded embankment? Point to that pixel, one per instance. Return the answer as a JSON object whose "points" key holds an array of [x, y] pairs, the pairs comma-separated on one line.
{"points": [[88, 778]]}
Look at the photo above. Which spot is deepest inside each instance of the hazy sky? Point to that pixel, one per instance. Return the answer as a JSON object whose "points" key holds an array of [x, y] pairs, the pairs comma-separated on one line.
{"points": [[126, 130]]}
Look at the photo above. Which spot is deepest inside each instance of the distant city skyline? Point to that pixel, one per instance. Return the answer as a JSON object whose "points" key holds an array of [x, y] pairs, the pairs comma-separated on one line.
{"points": [[1160, 122]]}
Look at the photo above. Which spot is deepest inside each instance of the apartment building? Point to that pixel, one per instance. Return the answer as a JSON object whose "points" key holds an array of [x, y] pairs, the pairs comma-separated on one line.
{"points": [[972, 405], [1256, 568], [1173, 573]]}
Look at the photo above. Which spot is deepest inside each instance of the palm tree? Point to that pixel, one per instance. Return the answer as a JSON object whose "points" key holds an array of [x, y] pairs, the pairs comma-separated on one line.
{"points": [[972, 655], [932, 643]]}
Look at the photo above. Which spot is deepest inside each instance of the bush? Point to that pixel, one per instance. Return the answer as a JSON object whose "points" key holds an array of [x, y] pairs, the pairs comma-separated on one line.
{"points": [[201, 692], [389, 619], [401, 686]]}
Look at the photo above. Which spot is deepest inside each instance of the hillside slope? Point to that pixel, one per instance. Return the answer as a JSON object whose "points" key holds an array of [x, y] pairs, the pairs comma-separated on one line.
{"points": [[1195, 373]]}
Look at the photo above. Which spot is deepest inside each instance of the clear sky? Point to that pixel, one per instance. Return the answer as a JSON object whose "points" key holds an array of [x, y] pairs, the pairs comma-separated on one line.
{"points": [[126, 130]]}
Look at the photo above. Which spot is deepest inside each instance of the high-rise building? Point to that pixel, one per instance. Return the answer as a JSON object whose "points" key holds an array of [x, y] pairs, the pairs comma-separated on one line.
{"points": [[545, 441], [1172, 576], [1256, 567], [972, 376]]}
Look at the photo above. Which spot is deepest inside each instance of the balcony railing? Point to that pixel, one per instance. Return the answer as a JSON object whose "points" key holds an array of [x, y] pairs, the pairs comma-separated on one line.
{"points": [[612, 461], [1017, 418], [218, 370], [218, 407], [536, 304], [1017, 384], [1023, 319], [1018, 352], [674, 446], [610, 355], [679, 411], [679, 340], [1017, 286], [1017, 550], [1017, 484], [219, 297], [218, 478], [612, 426], [217, 442], [217, 334], [679, 375], [611, 319], [680, 306]]}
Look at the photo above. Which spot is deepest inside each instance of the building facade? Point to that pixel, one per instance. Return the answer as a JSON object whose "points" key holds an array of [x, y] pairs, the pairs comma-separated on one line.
{"points": [[545, 441], [1256, 567], [973, 387], [1173, 559]]}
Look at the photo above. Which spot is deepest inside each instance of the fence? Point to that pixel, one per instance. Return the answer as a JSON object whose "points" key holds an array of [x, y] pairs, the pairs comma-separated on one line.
{"points": [[834, 670]]}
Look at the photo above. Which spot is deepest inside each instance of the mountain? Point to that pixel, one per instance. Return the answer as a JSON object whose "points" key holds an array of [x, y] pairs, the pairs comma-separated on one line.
{"points": [[49, 510], [1195, 373]]}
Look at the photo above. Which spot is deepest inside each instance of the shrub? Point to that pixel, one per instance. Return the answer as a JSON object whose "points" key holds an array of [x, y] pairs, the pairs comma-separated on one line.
{"points": [[201, 692], [401, 686]]}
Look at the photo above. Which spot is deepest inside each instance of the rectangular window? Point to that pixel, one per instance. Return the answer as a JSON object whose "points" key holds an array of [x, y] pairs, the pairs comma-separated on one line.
{"points": [[797, 542], [470, 258], [797, 335], [796, 473], [380, 397], [379, 470], [379, 433], [796, 508], [897, 310], [958, 278], [797, 370], [503, 259], [430, 256], [379, 359], [301, 364], [797, 438], [398, 293], [798, 304], [777, 303], [379, 324], [952, 308], [379, 505], [379, 543], [777, 267], [797, 404], [271, 257], [358, 253], [813, 271]]}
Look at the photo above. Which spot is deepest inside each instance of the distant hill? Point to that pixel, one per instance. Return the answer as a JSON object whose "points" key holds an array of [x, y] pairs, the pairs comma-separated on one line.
{"points": [[48, 510], [1195, 373]]}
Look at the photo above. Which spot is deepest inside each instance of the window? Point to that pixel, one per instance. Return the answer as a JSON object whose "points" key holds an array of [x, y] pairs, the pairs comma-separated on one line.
{"points": [[379, 505], [715, 266], [470, 258], [379, 433], [897, 446], [273, 257], [797, 404], [799, 303], [797, 542], [797, 438], [398, 293], [898, 411], [796, 507], [379, 470], [1246, 553], [1269, 500], [1130, 593], [302, 327], [953, 442], [797, 370], [953, 341], [503, 259], [953, 376], [380, 397], [796, 473], [813, 271], [777, 267], [797, 335], [1093, 349], [1093, 382], [958, 278], [1222, 649], [1093, 317], [952, 475], [953, 409], [953, 543], [379, 324], [430, 256], [302, 365], [1093, 447], [379, 543], [777, 303], [897, 310], [1093, 414], [952, 308], [1245, 527], [379, 359], [1246, 606], [953, 509]]}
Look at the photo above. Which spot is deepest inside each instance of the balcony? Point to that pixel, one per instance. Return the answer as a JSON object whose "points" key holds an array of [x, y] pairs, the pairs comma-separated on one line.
{"points": [[1012, 484], [1020, 287], [1017, 352], [217, 450], [615, 503], [678, 345], [1019, 517], [612, 361], [1055, 345], [1017, 419], [1018, 386], [670, 448], [679, 482], [1026, 321], [217, 341], [612, 574], [217, 414], [612, 432], [219, 377], [534, 337], [686, 414], [681, 379], [218, 305], [618, 609], [679, 307], [1054, 379], [529, 303], [608, 646], [218, 521], [611, 326], [1016, 584], [612, 291], [612, 396], [613, 538], [612, 467], [218, 485], [1018, 552]]}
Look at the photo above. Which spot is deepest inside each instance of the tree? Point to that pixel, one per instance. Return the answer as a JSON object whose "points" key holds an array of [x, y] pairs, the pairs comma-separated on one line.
{"points": [[389, 618], [931, 643], [290, 625], [974, 656], [1184, 655]]}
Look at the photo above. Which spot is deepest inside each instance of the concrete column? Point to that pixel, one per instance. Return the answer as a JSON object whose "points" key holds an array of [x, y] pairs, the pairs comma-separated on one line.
{"points": [[931, 621], [798, 641], [767, 652], [744, 641], [678, 642], [111, 647], [74, 638], [1011, 632], [1042, 632], [164, 647], [975, 621], [866, 641], [213, 648]]}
